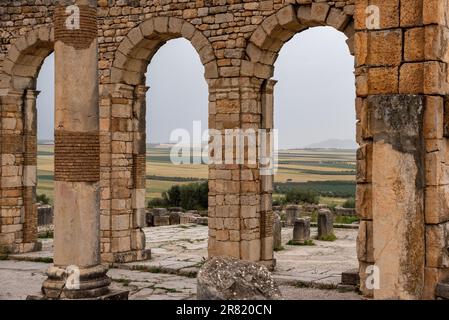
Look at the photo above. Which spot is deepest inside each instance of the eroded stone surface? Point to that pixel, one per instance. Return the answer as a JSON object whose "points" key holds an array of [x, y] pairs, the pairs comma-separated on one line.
{"points": [[225, 278], [182, 250], [20, 279]]}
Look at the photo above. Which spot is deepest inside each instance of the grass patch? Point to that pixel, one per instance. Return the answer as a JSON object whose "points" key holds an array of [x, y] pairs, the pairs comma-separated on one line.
{"points": [[3, 256], [330, 237], [43, 260], [306, 243], [346, 219], [278, 249]]}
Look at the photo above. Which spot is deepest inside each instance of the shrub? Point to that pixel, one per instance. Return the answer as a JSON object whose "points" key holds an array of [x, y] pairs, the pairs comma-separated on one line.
{"points": [[279, 202], [42, 198], [173, 196], [349, 203], [157, 203], [193, 196], [300, 196]]}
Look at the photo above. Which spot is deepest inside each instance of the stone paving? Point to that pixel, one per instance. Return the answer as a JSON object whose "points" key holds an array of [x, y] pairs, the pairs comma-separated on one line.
{"points": [[19, 279], [179, 251]]}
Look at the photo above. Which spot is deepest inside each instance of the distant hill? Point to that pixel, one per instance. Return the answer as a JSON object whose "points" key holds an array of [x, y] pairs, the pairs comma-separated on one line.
{"points": [[334, 144], [45, 142]]}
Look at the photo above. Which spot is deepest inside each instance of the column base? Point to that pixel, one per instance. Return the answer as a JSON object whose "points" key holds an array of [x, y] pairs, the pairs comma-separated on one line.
{"points": [[88, 283], [270, 264]]}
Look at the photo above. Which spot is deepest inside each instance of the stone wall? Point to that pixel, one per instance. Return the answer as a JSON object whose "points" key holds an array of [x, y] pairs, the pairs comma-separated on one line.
{"points": [[401, 96]]}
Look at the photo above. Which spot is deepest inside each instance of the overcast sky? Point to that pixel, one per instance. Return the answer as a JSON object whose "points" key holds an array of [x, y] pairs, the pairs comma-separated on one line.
{"points": [[314, 97]]}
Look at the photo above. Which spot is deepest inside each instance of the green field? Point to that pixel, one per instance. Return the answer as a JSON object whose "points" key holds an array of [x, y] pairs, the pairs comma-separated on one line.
{"points": [[330, 172]]}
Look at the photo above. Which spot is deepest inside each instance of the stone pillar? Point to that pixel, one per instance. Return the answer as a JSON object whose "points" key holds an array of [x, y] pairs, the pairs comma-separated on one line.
{"points": [[18, 231], [267, 175], [277, 232], [325, 223], [11, 150], [234, 188], [139, 174], [77, 271], [291, 214], [123, 173], [29, 177], [240, 202], [301, 231], [401, 77]]}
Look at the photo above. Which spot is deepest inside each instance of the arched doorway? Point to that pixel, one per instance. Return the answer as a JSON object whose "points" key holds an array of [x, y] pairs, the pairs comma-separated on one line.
{"points": [[19, 139], [176, 174], [314, 115], [123, 206]]}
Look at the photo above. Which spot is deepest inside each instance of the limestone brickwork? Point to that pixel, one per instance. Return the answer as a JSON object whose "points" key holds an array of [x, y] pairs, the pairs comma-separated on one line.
{"points": [[401, 107]]}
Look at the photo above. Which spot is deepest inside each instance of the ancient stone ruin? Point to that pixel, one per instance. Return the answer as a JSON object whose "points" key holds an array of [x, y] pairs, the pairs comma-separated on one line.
{"points": [[401, 57]]}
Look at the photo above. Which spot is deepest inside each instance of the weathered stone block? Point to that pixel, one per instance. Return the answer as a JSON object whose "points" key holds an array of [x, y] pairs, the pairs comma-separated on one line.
{"points": [[437, 204], [277, 232], [337, 19], [292, 213], [319, 11], [379, 48], [301, 231], [325, 224], [398, 196], [437, 245], [365, 249], [389, 13], [223, 278], [161, 221]]}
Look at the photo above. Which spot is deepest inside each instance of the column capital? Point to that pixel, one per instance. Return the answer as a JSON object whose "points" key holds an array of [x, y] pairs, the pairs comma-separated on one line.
{"points": [[32, 94], [141, 90], [269, 85]]}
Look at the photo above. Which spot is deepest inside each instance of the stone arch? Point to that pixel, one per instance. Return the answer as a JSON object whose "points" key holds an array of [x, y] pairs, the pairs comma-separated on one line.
{"points": [[124, 133], [25, 57], [18, 74], [269, 37], [141, 43], [262, 52]]}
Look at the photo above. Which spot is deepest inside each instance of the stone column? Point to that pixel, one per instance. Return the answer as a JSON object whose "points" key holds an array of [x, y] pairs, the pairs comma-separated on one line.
{"points": [[267, 176], [139, 175], [77, 272], [301, 231], [325, 224], [29, 177], [291, 214], [240, 209], [277, 232]]}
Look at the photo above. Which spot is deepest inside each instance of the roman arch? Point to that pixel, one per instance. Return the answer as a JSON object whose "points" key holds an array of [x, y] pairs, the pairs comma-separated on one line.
{"points": [[401, 85], [123, 129], [20, 68]]}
